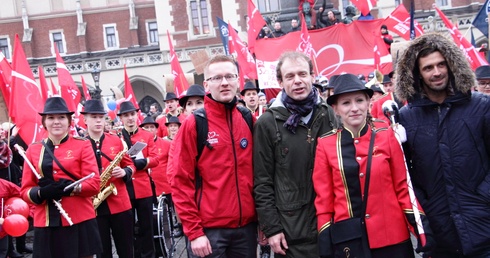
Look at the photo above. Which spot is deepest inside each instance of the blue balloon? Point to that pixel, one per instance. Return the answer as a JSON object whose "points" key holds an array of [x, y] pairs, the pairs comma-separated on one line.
{"points": [[111, 104]]}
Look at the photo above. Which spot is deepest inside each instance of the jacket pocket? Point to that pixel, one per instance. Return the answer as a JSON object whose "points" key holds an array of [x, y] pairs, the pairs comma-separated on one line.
{"points": [[297, 223]]}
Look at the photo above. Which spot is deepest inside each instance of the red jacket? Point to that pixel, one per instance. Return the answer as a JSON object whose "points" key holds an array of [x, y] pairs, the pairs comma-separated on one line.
{"points": [[75, 155], [7, 191], [339, 188], [225, 198], [140, 179], [159, 173], [111, 145]]}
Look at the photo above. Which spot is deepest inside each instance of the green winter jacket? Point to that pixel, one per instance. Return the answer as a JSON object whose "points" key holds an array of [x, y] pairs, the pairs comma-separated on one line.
{"points": [[283, 167]]}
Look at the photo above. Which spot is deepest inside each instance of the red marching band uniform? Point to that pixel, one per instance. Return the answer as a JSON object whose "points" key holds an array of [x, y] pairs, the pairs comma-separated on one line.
{"points": [[111, 145], [73, 156], [159, 173], [140, 179], [339, 192]]}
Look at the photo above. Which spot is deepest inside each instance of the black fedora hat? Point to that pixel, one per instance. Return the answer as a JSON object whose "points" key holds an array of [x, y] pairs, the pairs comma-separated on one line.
{"points": [[194, 90], [347, 83], [125, 107], [249, 86], [93, 106], [56, 105], [332, 81], [149, 120], [386, 79], [483, 72], [170, 96], [172, 119]]}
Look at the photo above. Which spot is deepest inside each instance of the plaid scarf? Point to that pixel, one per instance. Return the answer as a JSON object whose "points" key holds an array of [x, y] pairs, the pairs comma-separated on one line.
{"points": [[298, 109]]}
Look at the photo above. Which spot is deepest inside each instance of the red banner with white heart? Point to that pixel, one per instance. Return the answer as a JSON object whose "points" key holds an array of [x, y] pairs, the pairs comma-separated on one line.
{"points": [[342, 48]]}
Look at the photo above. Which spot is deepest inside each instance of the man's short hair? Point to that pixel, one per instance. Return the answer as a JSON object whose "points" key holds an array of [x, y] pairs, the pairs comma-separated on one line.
{"points": [[293, 55], [217, 59]]}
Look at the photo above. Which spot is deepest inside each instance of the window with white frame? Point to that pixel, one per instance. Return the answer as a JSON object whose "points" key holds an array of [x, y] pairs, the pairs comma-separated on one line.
{"points": [[441, 3], [111, 39], [4, 47], [58, 41], [200, 17], [265, 6], [57, 38], [152, 32]]}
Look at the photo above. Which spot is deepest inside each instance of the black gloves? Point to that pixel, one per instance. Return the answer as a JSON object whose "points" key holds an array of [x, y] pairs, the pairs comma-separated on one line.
{"points": [[429, 246], [430, 243], [53, 190], [140, 164]]}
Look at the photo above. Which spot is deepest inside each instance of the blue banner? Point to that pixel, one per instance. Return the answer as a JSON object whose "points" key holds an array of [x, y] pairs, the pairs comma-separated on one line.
{"points": [[481, 20], [223, 30]]}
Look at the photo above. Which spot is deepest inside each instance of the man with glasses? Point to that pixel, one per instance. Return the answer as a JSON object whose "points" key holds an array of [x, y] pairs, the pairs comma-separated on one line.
{"points": [[483, 78], [213, 193]]}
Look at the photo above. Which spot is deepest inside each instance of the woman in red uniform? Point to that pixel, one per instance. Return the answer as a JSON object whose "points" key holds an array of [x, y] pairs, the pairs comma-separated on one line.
{"points": [[61, 159], [340, 172], [115, 210]]}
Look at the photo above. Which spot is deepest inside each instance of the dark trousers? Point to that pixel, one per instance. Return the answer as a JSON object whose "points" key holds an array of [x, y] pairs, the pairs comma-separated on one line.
{"points": [[4, 244], [143, 211], [401, 250], [231, 242], [121, 225], [449, 254]]}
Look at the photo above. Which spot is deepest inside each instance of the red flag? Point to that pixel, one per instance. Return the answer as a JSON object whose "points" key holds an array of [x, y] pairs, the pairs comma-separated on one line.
{"points": [[86, 93], [246, 62], [43, 84], [380, 52], [180, 82], [68, 88], [6, 74], [25, 99], [305, 44], [255, 23], [364, 6], [129, 94], [469, 50], [399, 22]]}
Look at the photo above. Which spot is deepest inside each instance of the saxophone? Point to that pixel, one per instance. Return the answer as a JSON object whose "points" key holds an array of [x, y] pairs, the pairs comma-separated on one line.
{"points": [[106, 190]]}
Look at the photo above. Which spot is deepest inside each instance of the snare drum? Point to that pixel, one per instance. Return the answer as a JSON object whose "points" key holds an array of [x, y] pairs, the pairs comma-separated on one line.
{"points": [[163, 235]]}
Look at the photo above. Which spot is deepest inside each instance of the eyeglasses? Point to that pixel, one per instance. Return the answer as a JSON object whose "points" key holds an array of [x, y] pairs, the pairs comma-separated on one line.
{"points": [[219, 78], [483, 83]]}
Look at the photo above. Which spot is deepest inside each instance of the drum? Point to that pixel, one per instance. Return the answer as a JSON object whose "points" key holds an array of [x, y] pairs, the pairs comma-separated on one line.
{"points": [[163, 235]]}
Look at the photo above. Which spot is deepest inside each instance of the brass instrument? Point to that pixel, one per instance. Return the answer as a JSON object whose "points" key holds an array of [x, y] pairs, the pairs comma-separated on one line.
{"points": [[106, 190]]}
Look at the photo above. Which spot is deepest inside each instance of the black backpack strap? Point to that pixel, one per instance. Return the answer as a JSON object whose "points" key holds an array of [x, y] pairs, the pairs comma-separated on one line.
{"points": [[247, 115], [202, 140]]}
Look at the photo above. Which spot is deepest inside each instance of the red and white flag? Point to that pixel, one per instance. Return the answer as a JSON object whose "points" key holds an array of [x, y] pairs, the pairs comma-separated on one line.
{"points": [[86, 93], [25, 98], [364, 6], [246, 61], [129, 95], [43, 84], [68, 88], [468, 49], [399, 22], [6, 77], [255, 23], [180, 82]]}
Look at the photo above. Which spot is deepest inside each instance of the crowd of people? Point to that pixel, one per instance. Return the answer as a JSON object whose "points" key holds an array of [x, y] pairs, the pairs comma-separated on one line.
{"points": [[330, 167]]}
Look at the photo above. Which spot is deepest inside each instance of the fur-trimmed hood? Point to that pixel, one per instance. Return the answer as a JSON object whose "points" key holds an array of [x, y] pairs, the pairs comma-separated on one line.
{"points": [[461, 77]]}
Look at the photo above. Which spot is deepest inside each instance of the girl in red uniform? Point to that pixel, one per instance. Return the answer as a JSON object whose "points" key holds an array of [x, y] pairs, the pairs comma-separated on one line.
{"points": [[340, 172], [61, 159]]}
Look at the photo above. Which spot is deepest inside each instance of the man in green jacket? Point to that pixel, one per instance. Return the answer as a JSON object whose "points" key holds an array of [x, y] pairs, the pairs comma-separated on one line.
{"points": [[284, 149]]}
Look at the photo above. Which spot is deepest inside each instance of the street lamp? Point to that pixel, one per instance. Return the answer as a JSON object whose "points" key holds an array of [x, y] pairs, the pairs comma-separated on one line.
{"points": [[95, 94]]}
